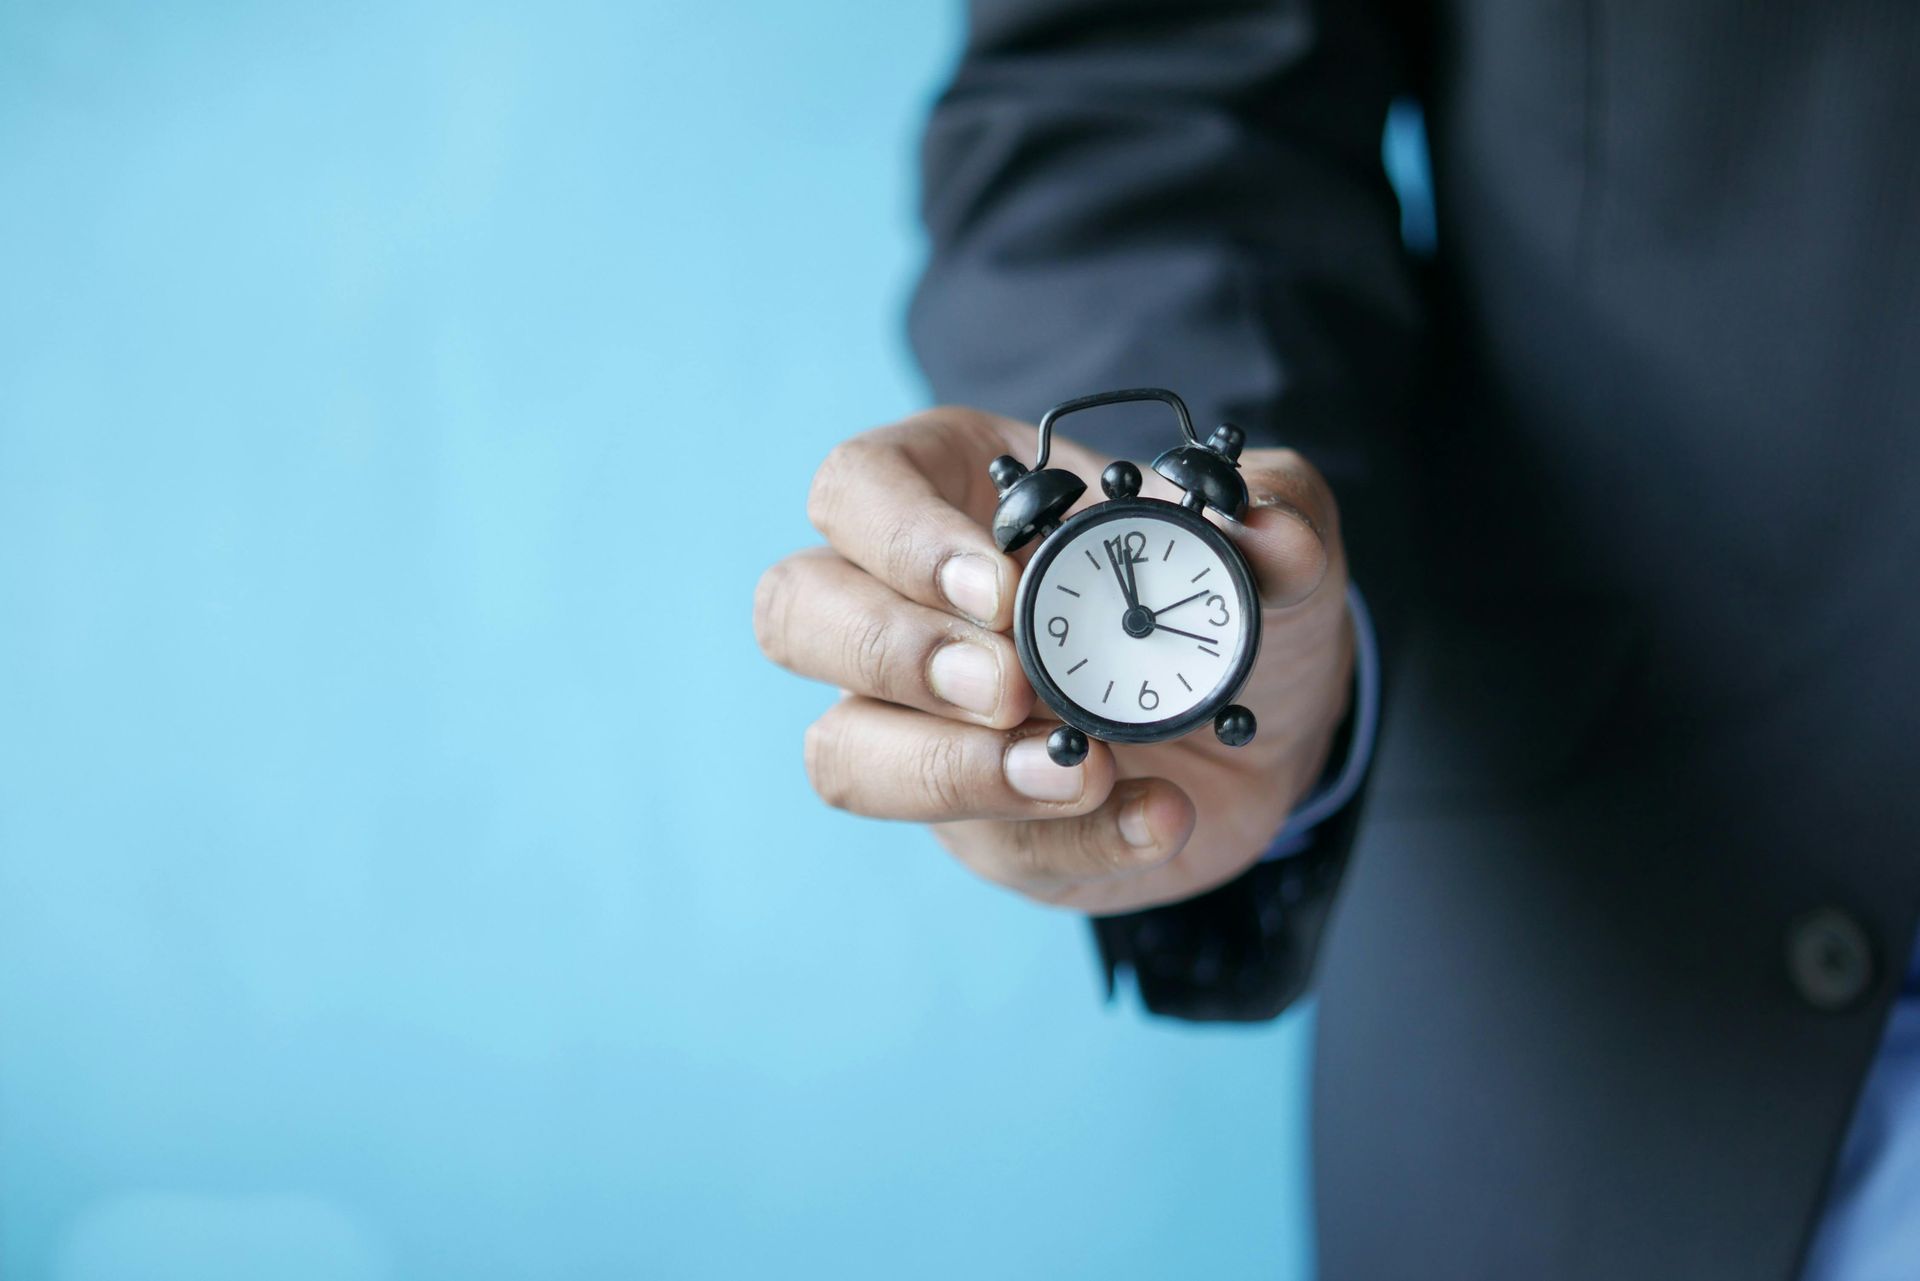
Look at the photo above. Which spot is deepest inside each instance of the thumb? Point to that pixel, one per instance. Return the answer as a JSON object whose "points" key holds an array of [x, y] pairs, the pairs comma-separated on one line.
{"points": [[1291, 530]]}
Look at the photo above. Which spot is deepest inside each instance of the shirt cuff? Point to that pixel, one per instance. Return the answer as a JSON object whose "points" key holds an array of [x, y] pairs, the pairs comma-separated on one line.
{"points": [[1333, 794]]}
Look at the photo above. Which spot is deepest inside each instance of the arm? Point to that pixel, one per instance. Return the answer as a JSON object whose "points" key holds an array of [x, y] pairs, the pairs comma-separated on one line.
{"points": [[1188, 193]]}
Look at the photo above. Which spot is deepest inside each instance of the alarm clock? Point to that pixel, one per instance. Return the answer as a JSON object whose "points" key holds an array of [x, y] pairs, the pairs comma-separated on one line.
{"points": [[1137, 620]]}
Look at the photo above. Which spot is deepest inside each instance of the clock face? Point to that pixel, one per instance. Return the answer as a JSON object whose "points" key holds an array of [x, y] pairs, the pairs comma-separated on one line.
{"points": [[1137, 620]]}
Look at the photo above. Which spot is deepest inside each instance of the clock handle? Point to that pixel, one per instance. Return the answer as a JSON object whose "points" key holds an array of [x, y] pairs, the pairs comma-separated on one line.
{"points": [[1033, 502], [1064, 408]]}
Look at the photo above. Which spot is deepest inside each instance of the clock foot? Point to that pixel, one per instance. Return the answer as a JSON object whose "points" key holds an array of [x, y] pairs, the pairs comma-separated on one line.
{"points": [[1235, 725], [1067, 746]]}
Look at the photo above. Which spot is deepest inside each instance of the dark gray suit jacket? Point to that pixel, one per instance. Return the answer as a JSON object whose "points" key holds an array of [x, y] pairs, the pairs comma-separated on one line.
{"points": [[1630, 475]]}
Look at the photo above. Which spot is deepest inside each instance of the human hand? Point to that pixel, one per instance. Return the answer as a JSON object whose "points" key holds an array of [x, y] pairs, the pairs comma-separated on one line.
{"points": [[908, 606]]}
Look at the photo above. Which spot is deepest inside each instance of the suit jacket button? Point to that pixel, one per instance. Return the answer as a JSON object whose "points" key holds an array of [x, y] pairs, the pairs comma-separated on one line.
{"points": [[1829, 958]]}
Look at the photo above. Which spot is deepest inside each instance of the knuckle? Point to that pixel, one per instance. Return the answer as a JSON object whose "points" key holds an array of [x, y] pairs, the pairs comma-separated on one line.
{"points": [[772, 598], [941, 768], [939, 420], [1024, 852], [1066, 848], [900, 552], [828, 480], [869, 642], [837, 480], [974, 430], [819, 751]]}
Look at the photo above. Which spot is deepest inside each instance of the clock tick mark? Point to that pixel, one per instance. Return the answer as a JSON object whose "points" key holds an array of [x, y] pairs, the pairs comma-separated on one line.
{"points": [[1202, 574], [1090, 559], [1109, 694], [1204, 650], [1169, 551], [1076, 667], [1183, 682], [1068, 590]]}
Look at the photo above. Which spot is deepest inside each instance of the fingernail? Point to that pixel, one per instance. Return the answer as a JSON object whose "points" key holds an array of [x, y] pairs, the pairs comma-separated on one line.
{"points": [[1032, 773], [1133, 819], [971, 585], [1274, 503], [966, 676]]}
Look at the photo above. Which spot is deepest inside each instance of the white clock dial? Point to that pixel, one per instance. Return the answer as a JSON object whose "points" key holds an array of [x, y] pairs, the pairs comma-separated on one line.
{"points": [[1146, 664]]}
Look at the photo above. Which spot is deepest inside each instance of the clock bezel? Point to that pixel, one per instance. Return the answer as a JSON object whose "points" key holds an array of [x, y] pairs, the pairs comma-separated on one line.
{"points": [[1091, 722]]}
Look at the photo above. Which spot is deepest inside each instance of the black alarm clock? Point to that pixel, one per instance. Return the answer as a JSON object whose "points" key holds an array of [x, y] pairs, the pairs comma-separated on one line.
{"points": [[1137, 620]]}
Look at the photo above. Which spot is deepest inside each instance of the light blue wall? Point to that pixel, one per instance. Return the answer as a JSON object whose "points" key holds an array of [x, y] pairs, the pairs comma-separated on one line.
{"points": [[406, 868]]}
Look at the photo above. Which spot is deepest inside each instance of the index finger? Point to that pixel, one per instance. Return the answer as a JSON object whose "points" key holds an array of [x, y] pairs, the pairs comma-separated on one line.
{"points": [[910, 504]]}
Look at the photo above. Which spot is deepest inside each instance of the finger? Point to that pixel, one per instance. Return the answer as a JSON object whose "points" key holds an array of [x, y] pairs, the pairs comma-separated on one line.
{"points": [[821, 617], [1143, 823], [1291, 531], [887, 762], [910, 504]]}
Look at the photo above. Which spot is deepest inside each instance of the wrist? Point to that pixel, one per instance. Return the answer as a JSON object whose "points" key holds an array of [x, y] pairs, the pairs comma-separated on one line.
{"points": [[1350, 749]]}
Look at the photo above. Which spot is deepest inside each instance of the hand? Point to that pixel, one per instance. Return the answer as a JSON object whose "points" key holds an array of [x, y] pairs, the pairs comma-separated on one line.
{"points": [[907, 609]]}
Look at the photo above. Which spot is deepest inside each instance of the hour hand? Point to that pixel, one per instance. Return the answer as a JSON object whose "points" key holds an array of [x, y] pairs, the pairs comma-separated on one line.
{"points": [[1114, 553]]}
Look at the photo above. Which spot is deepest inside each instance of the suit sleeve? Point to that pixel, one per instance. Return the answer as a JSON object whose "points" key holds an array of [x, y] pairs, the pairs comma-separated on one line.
{"points": [[1189, 194]]}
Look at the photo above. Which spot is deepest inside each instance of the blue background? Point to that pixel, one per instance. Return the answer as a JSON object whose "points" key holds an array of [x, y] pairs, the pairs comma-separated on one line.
{"points": [[406, 868]]}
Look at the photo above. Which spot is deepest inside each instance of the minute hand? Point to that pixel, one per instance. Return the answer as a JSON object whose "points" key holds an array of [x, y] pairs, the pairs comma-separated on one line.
{"points": [[1162, 627], [1184, 600]]}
